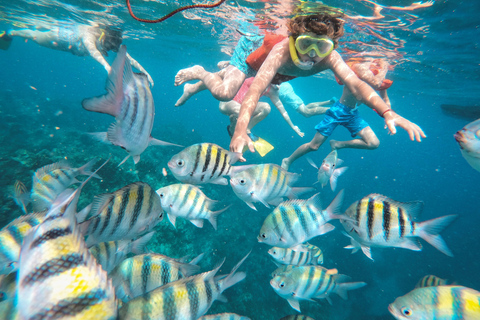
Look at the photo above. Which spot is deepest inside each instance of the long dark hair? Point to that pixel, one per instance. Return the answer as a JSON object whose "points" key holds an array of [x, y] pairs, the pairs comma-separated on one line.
{"points": [[110, 40]]}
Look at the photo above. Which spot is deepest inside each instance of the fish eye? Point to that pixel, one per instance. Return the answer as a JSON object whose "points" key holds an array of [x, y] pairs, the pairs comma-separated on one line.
{"points": [[274, 252], [161, 195], [477, 134], [160, 215], [180, 162], [406, 311], [242, 181], [282, 284], [264, 235]]}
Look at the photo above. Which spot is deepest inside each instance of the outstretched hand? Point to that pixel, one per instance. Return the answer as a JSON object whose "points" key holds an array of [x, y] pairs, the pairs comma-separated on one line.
{"points": [[239, 141], [414, 131], [298, 131]]}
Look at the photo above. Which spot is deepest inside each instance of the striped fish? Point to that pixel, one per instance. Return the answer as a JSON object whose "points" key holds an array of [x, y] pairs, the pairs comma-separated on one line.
{"points": [[437, 303], [431, 281], [305, 254], [58, 278], [382, 222], [224, 316], [51, 180], [124, 214], [265, 183], [11, 238], [329, 171], [110, 254], [296, 221], [307, 282], [185, 299], [140, 274], [21, 195], [130, 101], [284, 268], [204, 163], [189, 202], [297, 317]]}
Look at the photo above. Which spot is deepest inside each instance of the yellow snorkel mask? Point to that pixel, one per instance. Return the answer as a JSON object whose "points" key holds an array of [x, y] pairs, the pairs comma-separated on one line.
{"points": [[320, 46]]}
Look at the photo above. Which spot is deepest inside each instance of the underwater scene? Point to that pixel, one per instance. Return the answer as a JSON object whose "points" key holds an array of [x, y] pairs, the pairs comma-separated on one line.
{"points": [[129, 189]]}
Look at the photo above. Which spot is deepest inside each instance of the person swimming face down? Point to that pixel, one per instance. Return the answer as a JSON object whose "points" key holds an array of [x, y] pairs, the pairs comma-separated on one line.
{"points": [[313, 37], [109, 39]]}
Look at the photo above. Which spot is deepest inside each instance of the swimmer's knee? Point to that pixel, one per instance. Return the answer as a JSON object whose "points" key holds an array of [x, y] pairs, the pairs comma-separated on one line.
{"points": [[314, 146], [374, 144]]}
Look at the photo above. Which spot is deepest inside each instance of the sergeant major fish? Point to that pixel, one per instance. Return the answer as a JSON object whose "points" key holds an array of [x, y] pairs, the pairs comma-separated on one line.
{"points": [[329, 170], [307, 282], [188, 201], [51, 180], [379, 221], [124, 214], [304, 254], [266, 183], [188, 298], [130, 101], [469, 141], [204, 163], [58, 277], [224, 316], [437, 303], [110, 254], [296, 221], [140, 274], [431, 281]]}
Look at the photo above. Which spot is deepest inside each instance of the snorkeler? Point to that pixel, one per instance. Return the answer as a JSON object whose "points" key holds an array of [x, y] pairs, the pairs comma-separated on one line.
{"points": [[344, 112], [80, 40]]}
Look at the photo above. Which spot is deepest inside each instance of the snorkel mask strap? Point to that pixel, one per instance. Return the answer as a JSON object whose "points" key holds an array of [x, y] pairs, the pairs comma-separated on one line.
{"points": [[294, 56]]}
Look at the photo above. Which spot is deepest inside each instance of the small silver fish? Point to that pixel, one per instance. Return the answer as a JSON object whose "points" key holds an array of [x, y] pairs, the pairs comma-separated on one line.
{"points": [[266, 183], [296, 221], [329, 170], [469, 141], [51, 180], [130, 101], [204, 163], [304, 254], [307, 282], [110, 254], [189, 202], [378, 221], [140, 274], [124, 214], [187, 298]]}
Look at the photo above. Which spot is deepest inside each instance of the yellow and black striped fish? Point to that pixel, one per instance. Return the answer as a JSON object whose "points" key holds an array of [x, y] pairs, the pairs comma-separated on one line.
{"points": [[51, 180], [431, 281], [382, 222], [307, 282], [11, 238], [189, 202], [437, 303], [110, 254], [204, 163], [124, 214], [266, 183], [305, 254], [224, 316], [58, 277], [185, 299], [140, 274]]}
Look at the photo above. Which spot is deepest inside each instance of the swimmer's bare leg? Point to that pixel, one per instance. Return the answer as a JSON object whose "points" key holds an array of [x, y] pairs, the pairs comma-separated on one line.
{"points": [[189, 90], [261, 112], [368, 140]]}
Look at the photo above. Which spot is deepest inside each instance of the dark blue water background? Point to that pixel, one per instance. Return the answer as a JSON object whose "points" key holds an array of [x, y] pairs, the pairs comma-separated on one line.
{"points": [[433, 170]]}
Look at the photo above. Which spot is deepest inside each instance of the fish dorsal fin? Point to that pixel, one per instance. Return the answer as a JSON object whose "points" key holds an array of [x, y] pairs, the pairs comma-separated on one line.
{"points": [[414, 208], [292, 177], [316, 201], [99, 203], [50, 167]]}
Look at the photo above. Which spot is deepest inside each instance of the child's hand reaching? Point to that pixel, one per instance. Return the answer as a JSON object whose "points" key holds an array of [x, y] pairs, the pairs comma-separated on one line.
{"points": [[298, 131]]}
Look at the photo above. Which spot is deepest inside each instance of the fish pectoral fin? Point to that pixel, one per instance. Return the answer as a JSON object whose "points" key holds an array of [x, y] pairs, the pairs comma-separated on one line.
{"points": [[220, 180], [197, 222], [366, 251], [295, 304], [411, 244], [136, 158], [260, 199], [251, 205], [172, 219]]}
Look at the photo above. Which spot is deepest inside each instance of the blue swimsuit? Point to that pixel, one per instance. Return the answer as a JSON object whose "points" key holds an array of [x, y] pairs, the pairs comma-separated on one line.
{"points": [[339, 114]]}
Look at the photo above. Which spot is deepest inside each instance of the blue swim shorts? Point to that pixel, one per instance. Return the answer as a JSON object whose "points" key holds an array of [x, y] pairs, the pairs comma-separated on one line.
{"points": [[245, 46], [339, 114], [288, 97]]}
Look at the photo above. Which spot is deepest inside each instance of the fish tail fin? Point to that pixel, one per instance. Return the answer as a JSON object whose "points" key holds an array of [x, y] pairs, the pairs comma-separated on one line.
{"points": [[429, 231], [86, 169], [342, 288], [138, 246], [334, 177], [214, 215], [111, 103], [233, 278], [333, 210]]}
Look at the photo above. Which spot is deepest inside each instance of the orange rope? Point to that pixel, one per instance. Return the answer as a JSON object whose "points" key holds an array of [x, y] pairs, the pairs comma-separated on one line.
{"points": [[216, 4]]}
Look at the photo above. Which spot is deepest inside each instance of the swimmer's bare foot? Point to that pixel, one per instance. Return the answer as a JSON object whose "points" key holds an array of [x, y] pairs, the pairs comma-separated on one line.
{"points": [[188, 74], [334, 144], [223, 64], [285, 164], [188, 92]]}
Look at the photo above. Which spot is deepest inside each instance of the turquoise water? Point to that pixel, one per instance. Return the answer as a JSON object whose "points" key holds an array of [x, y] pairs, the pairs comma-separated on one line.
{"points": [[42, 89]]}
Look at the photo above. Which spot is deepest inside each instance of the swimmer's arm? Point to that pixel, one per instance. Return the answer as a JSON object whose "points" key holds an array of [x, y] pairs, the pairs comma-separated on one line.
{"points": [[383, 94], [279, 105], [89, 40], [275, 59], [139, 67]]}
